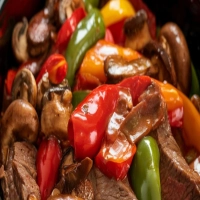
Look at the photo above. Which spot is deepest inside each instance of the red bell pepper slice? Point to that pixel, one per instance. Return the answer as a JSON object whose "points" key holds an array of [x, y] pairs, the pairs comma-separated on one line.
{"points": [[68, 28], [48, 160], [137, 85], [117, 31], [56, 66], [88, 121], [109, 36]]}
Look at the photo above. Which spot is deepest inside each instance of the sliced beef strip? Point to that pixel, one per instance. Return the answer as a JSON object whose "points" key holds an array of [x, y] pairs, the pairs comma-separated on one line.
{"points": [[178, 180], [110, 189], [19, 179]]}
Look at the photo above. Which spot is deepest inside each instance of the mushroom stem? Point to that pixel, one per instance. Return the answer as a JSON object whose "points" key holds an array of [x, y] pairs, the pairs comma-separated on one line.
{"points": [[19, 122]]}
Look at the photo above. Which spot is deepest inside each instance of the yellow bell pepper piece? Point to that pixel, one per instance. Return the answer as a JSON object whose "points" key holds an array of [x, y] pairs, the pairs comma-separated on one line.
{"points": [[93, 62], [116, 10]]}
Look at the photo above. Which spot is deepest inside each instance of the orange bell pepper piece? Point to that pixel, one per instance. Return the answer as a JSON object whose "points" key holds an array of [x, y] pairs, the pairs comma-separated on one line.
{"points": [[191, 117], [191, 123], [93, 62]]}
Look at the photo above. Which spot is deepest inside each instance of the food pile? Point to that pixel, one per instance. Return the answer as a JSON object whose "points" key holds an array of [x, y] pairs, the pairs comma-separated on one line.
{"points": [[101, 105]]}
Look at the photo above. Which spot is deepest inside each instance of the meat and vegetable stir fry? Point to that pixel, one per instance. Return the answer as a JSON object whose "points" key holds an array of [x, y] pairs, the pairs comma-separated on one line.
{"points": [[101, 104]]}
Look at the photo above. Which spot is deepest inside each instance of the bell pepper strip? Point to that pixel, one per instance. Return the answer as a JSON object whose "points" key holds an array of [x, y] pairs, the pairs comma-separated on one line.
{"points": [[191, 123], [138, 5], [137, 85], [144, 171], [117, 31], [116, 153], [56, 67], [48, 160], [87, 33], [116, 10], [78, 96], [114, 160], [89, 120], [174, 103], [67, 29], [93, 62], [9, 80]]}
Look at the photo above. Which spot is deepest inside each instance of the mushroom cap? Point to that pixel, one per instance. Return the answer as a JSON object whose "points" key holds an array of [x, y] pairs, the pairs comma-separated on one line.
{"points": [[178, 50], [24, 87], [19, 41], [19, 122]]}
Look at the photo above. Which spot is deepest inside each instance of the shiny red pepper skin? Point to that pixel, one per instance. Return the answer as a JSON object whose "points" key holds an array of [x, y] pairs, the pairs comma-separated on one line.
{"points": [[137, 85], [56, 66], [89, 120], [118, 33], [47, 164], [68, 28]]}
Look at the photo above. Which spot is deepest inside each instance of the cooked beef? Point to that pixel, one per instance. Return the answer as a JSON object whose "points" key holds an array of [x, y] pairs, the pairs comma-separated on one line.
{"points": [[19, 180], [110, 189], [178, 180], [85, 190]]}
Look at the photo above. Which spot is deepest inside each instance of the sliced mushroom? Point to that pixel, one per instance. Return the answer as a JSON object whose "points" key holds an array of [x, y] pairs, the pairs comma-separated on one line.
{"points": [[137, 31], [145, 116], [19, 41], [39, 33], [173, 41], [19, 122], [117, 68], [161, 61], [24, 87], [56, 112], [72, 173]]}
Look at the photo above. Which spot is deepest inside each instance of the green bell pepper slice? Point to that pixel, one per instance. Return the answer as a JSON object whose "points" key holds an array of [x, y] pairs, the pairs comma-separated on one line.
{"points": [[194, 83], [87, 33], [144, 171]]}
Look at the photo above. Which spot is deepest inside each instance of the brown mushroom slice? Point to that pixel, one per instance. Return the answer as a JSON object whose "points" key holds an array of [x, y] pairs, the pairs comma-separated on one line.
{"points": [[19, 41], [196, 101], [161, 61], [39, 34], [145, 116], [137, 31], [56, 112], [19, 122], [117, 68], [24, 87], [72, 173], [173, 41]]}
